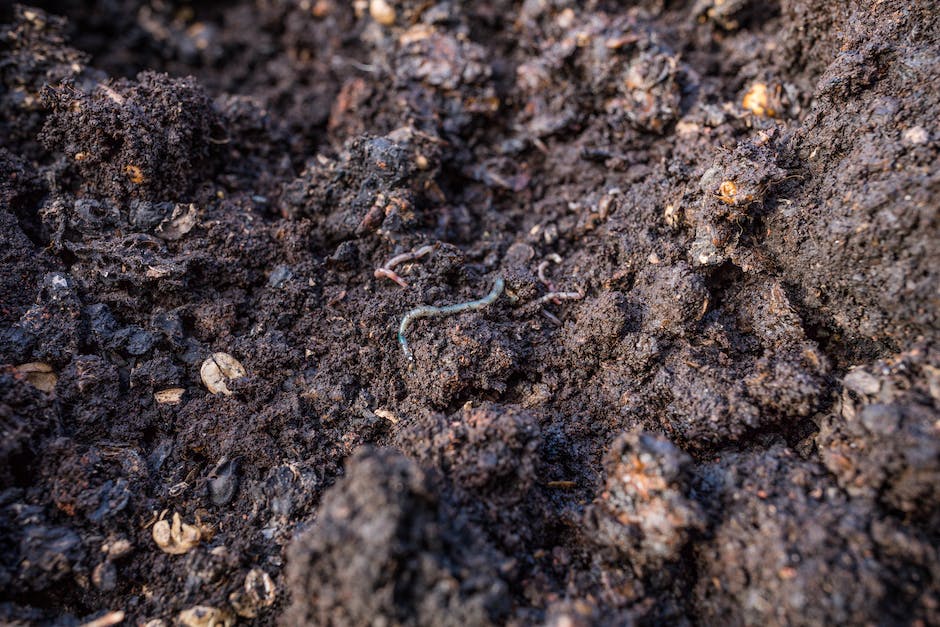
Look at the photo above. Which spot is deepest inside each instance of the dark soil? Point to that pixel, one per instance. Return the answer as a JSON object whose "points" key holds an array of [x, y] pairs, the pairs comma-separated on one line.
{"points": [[731, 415]]}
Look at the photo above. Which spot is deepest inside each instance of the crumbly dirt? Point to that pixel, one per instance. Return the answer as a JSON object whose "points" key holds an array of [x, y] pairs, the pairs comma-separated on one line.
{"points": [[708, 393]]}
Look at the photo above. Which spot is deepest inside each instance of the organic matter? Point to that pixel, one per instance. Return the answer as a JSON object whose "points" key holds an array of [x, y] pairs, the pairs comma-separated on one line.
{"points": [[704, 387]]}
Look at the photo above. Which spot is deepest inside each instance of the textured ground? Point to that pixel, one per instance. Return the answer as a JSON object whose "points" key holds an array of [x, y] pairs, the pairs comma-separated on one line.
{"points": [[708, 392]]}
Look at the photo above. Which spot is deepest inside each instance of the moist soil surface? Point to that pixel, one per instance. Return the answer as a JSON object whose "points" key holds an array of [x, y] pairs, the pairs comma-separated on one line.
{"points": [[697, 378]]}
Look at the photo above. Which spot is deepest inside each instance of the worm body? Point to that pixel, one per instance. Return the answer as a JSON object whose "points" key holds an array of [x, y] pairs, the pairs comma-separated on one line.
{"points": [[427, 311]]}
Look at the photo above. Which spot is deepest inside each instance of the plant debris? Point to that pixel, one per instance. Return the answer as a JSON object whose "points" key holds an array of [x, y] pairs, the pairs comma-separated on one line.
{"points": [[219, 368], [176, 538]]}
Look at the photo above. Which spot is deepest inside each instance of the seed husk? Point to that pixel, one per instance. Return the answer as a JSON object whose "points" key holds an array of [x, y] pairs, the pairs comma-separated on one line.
{"points": [[205, 616], [176, 538], [219, 368], [259, 592]]}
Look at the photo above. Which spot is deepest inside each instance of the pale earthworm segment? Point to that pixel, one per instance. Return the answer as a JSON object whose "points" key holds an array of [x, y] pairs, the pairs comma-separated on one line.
{"points": [[427, 311]]}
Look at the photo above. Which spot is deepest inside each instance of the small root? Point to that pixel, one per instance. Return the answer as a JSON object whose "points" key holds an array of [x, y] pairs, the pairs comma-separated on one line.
{"points": [[110, 93]]}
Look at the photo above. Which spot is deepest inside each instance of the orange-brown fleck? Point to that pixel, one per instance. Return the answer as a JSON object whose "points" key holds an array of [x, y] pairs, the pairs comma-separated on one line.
{"points": [[728, 193], [134, 173], [757, 101]]}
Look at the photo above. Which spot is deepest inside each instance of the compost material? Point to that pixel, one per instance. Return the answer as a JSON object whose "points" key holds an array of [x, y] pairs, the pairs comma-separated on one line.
{"points": [[667, 277]]}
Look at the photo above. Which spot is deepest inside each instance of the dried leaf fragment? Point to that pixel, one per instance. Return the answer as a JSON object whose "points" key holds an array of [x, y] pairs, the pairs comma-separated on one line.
{"points": [[39, 375], [169, 396], [387, 415], [177, 538], [179, 223], [219, 368], [205, 616]]}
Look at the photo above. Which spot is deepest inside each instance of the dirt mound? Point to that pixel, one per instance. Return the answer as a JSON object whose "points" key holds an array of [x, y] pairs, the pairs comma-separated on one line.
{"points": [[384, 548]]}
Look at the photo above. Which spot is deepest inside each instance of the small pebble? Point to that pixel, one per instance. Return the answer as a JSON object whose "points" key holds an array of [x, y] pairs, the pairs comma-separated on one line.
{"points": [[916, 135], [863, 382], [280, 275], [223, 482]]}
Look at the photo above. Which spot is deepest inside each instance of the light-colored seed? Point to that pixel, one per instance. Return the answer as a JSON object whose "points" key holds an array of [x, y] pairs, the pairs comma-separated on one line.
{"points": [[205, 616], [382, 12], [260, 587], [116, 548], [259, 592], [176, 538], [219, 368]]}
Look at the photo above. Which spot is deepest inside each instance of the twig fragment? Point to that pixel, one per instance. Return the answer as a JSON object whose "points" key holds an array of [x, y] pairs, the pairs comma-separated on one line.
{"points": [[554, 319], [427, 311]]}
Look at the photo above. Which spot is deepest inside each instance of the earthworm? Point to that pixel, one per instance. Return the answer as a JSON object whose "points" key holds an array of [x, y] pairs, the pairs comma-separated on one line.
{"points": [[426, 311], [558, 296], [555, 257], [387, 271], [545, 280]]}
